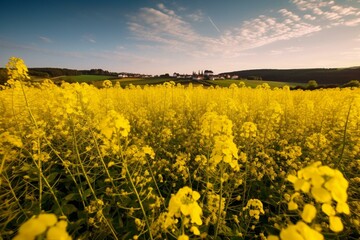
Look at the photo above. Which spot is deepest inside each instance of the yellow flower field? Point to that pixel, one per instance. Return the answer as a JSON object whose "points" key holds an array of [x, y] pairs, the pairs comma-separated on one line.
{"points": [[177, 162]]}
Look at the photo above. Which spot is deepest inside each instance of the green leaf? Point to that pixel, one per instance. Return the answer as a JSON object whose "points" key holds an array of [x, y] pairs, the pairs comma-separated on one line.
{"points": [[72, 196], [69, 208], [51, 178]]}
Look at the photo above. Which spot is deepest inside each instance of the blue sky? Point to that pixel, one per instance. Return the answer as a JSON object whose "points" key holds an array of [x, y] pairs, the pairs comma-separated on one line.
{"points": [[155, 37]]}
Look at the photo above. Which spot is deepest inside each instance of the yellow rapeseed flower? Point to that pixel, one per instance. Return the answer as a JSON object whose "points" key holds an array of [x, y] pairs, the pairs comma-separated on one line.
{"points": [[48, 219], [307, 232], [57, 233], [342, 207], [16, 69], [290, 232], [195, 230], [32, 228], [309, 213], [185, 202], [328, 209], [321, 194], [183, 237], [336, 224]]}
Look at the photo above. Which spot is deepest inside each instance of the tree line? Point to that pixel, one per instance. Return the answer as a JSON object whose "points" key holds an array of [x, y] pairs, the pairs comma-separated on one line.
{"points": [[56, 72]]}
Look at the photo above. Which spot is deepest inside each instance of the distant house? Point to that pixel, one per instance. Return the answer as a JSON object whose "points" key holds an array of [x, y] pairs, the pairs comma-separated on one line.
{"points": [[234, 77], [208, 74], [198, 77]]}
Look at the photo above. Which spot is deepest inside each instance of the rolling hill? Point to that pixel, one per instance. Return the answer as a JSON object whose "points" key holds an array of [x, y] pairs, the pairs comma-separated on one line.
{"points": [[323, 76]]}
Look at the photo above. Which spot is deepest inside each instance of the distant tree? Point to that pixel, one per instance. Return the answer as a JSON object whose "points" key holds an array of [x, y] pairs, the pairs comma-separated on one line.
{"points": [[254, 78], [3, 76], [352, 83], [165, 75], [38, 73], [312, 84]]}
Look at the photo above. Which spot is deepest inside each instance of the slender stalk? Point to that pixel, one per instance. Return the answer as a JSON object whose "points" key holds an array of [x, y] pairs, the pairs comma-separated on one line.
{"points": [[2, 164], [67, 169], [344, 138], [39, 167], [220, 201], [154, 180], [102, 160], [39, 144], [43, 178], [139, 199], [14, 194], [88, 181]]}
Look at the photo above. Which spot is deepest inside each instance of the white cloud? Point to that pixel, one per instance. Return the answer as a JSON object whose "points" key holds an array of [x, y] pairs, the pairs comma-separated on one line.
{"points": [[309, 17], [45, 39], [164, 9], [334, 13], [264, 30], [286, 13], [197, 16], [353, 22], [89, 38], [171, 32]]}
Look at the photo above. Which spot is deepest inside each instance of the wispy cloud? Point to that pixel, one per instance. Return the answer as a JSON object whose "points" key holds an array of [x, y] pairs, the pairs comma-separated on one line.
{"points": [[286, 50], [331, 12], [89, 38], [309, 17], [214, 25], [197, 16], [289, 15], [166, 32], [45, 39], [164, 27], [264, 30], [170, 31]]}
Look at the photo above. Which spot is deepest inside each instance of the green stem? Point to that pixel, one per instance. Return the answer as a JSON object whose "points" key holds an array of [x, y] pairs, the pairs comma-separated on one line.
{"points": [[344, 139], [102, 160], [67, 169], [139, 199], [42, 177], [88, 180], [220, 201], [39, 151], [2, 164], [154, 180], [39, 167], [14, 194]]}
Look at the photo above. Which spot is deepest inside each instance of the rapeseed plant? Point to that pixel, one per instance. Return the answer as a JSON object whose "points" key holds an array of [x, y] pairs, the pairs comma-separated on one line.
{"points": [[177, 162]]}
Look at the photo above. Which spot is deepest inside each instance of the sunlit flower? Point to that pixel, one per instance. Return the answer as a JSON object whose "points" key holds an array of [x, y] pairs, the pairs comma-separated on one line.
{"points": [[183, 237], [309, 213], [185, 202], [328, 209], [336, 224]]}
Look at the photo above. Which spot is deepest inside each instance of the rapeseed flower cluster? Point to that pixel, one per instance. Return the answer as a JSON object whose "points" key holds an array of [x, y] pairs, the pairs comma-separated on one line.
{"points": [[255, 208], [328, 187], [110, 158], [219, 130], [16, 69], [184, 205], [45, 225]]}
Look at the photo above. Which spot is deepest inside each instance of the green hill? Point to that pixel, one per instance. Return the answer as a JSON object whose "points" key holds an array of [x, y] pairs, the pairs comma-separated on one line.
{"points": [[323, 76]]}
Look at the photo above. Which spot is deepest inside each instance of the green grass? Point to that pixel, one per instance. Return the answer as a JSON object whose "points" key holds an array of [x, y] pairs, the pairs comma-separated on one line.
{"points": [[97, 81], [85, 78], [254, 83]]}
